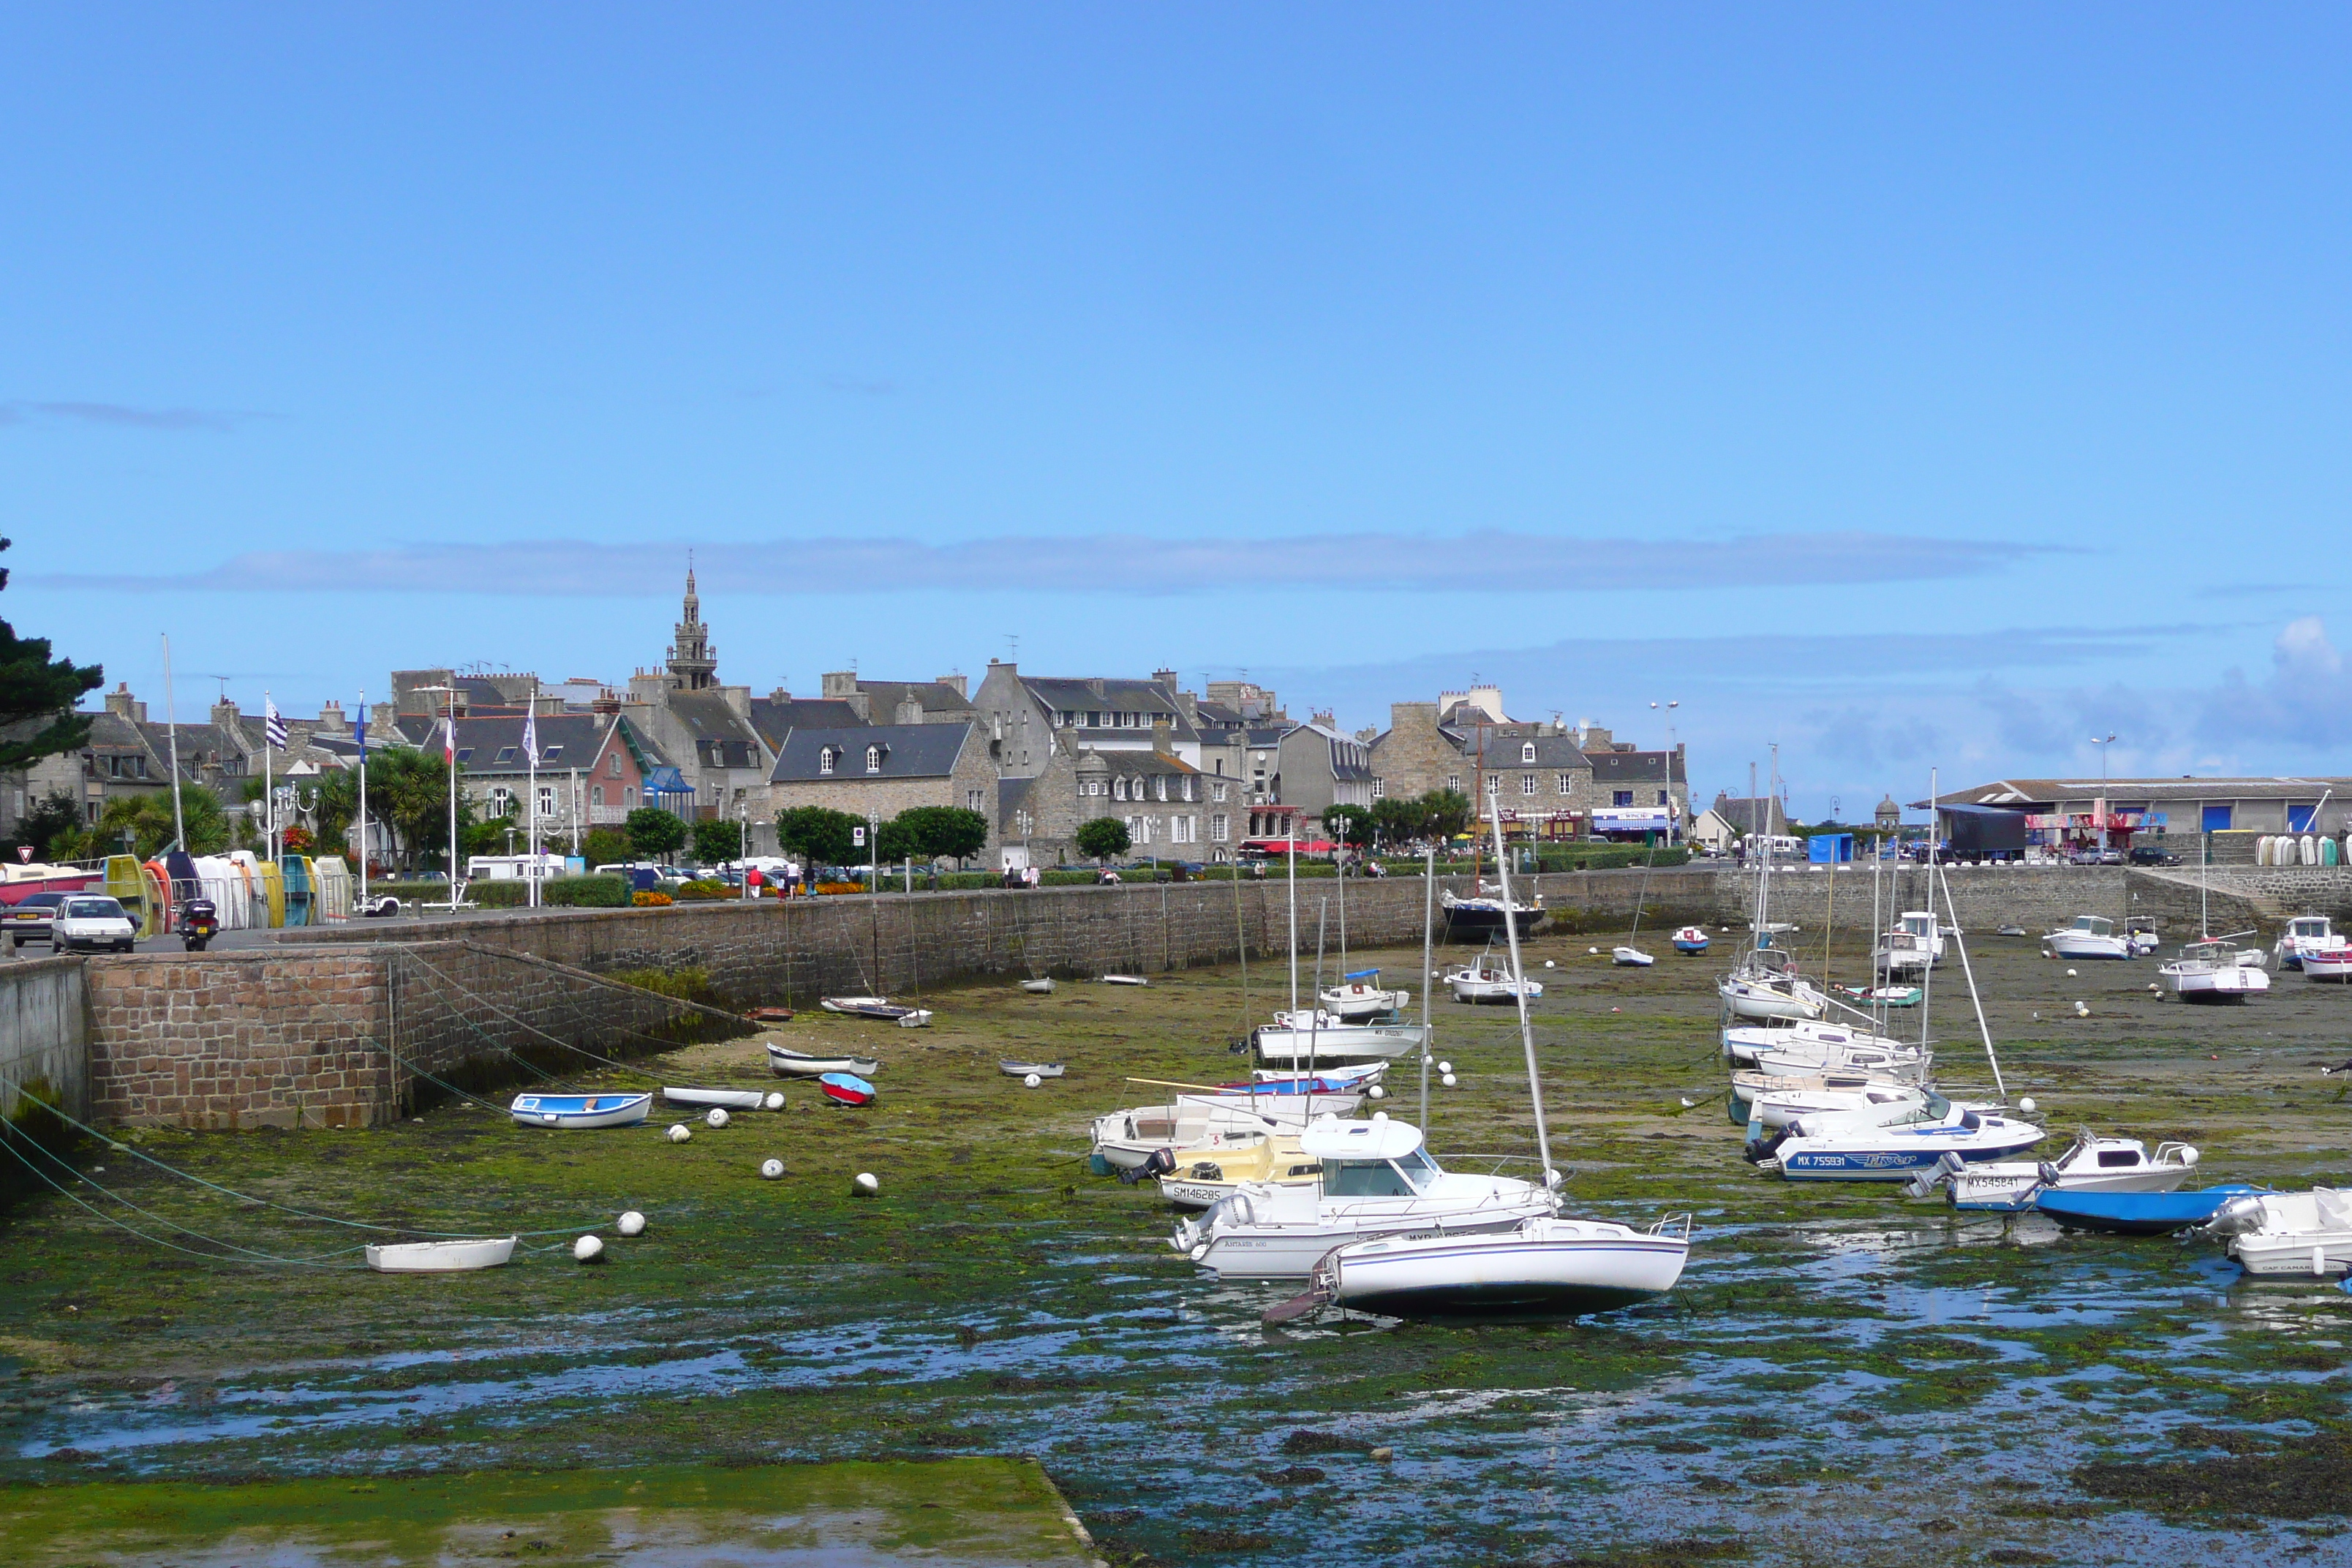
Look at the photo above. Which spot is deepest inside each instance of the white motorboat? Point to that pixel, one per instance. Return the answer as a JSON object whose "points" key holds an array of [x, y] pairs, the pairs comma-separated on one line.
{"points": [[2090, 936], [785, 1062], [1358, 997], [1773, 1100], [2306, 933], [1691, 940], [1298, 1038], [1486, 914], [1377, 1180], [1484, 981], [2307, 1235], [2332, 965], [725, 1099], [1630, 958], [1846, 1148], [2212, 971], [2092, 1163], [441, 1256], [1916, 943], [1766, 985], [1545, 1267], [1125, 1140], [1807, 1046]]}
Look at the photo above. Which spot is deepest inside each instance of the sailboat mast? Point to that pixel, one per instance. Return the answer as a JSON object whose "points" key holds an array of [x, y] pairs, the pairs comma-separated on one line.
{"points": [[1519, 990], [1428, 974], [1928, 975], [1292, 842]]}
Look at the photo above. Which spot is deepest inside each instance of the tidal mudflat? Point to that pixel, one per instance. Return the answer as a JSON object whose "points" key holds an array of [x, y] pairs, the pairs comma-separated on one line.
{"points": [[1845, 1375]]}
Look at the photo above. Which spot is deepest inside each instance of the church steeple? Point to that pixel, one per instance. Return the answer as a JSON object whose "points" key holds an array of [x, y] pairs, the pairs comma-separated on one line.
{"points": [[693, 662]]}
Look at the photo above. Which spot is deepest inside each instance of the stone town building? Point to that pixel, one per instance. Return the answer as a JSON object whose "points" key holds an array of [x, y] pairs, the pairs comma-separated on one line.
{"points": [[592, 769], [703, 727], [1024, 717], [1645, 784], [1318, 768], [939, 701], [880, 770], [1721, 826], [1172, 811], [1542, 782]]}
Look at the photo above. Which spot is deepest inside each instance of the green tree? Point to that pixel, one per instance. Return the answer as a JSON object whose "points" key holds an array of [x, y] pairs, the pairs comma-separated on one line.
{"points": [[408, 791], [718, 838], [54, 819], [147, 818], [935, 833], [605, 846], [1446, 814], [34, 687], [1350, 825], [819, 834], [654, 833], [1103, 838]]}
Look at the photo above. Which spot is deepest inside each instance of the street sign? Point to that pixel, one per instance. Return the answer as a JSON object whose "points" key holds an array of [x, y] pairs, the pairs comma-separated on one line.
{"points": [[857, 835]]}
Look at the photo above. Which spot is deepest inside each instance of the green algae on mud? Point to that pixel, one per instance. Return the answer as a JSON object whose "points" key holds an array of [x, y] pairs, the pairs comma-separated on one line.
{"points": [[995, 1298], [948, 1512]]}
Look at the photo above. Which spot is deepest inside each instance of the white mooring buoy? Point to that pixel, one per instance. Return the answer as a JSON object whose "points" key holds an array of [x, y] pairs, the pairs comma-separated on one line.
{"points": [[865, 1185], [1030, 1081], [632, 1224], [773, 1170], [679, 1133], [718, 1117], [587, 1249]]}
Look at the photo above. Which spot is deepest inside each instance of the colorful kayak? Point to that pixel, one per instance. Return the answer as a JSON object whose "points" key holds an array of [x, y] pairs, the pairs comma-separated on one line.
{"points": [[2136, 1213], [846, 1089], [578, 1110]]}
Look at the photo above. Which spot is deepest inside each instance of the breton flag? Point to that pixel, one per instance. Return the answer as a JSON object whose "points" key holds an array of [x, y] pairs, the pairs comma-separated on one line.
{"points": [[273, 723]]}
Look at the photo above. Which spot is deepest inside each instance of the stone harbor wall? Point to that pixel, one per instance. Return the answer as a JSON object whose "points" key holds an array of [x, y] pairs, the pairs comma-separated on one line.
{"points": [[44, 1034]]}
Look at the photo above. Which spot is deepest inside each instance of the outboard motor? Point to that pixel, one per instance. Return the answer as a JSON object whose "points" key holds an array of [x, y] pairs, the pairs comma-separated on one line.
{"points": [[2239, 1217], [1159, 1163], [1759, 1150]]}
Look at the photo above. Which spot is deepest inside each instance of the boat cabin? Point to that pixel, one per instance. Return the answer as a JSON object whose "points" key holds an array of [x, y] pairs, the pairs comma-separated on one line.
{"points": [[2309, 927], [2094, 925], [1381, 1159]]}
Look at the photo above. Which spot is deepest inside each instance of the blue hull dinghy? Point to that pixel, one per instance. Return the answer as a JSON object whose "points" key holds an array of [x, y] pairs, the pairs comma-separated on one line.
{"points": [[2136, 1213], [576, 1111]]}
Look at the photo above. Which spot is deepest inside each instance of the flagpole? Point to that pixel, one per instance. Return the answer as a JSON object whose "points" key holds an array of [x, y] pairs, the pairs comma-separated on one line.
{"points": [[171, 728], [363, 821], [530, 796], [449, 760]]}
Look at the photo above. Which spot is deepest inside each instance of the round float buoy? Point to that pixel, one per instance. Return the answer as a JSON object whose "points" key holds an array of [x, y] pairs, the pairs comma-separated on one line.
{"points": [[718, 1118], [865, 1185], [1594, 951], [632, 1224], [1031, 1081], [1380, 1116], [1551, 963], [1377, 1092], [775, 1101], [773, 1170], [2070, 974], [2026, 1105], [1446, 1067], [1447, 1080], [679, 1132], [587, 1249]]}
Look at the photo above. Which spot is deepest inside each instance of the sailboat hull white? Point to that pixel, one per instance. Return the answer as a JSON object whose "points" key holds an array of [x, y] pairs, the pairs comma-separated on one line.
{"points": [[1765, 1002], [1340, 1043], [1292, 1251]]}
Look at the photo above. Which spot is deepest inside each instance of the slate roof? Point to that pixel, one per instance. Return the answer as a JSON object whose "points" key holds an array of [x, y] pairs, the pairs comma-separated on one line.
{"points": [[774, 719], [708, 718], [1635, 767], [1148, 696], [1744, 813], [1010, 793], [1560, 751], [565, 740], [936, 695], [908, 750]]}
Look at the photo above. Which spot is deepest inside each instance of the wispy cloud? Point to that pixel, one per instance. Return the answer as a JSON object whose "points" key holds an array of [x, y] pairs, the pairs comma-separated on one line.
{"points": [[124, 416], [1094, 564]]}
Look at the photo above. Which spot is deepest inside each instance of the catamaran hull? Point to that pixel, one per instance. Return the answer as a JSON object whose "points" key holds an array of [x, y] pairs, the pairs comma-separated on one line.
{"points": [[1506, 1276]]}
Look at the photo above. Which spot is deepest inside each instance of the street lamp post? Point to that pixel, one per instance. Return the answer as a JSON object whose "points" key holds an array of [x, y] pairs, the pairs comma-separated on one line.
{"points": [[2102, 742]]}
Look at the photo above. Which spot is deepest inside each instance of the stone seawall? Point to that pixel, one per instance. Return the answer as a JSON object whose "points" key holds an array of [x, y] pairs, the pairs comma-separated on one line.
{"points": [[44, 1033], [338, 1036]]}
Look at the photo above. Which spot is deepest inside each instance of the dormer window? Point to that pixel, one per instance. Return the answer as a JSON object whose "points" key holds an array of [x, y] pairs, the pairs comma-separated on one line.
{"points": [[1527, 751], [506, 754], [550, 755], [873, 759], [825, 757]]}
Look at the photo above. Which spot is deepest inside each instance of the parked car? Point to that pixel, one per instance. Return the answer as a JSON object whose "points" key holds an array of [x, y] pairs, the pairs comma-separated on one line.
{"points": [[2097, 858], [2149, 855], [29, 921], [87, 922]]}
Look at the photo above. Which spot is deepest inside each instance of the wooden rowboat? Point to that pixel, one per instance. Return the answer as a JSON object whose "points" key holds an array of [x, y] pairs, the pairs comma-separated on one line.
{"points": [[787, 1063], [579, 1111], [440, 1256], [847, 1089], [1022, 1070]]}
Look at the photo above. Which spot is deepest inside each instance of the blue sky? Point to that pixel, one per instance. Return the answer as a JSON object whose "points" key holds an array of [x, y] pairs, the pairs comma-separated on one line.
{"points": [[1911, 387]]}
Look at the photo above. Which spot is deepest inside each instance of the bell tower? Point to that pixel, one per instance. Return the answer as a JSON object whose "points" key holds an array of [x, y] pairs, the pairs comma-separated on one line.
{"points": [[693, 662]]}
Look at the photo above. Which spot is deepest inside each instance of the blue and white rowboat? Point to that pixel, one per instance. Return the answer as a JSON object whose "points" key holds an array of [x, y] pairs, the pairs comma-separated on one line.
{"points": [[578, 1110]]}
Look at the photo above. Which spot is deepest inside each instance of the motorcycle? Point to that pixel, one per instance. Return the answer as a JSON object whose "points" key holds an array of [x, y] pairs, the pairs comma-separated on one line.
{"points": [[199, 923]]}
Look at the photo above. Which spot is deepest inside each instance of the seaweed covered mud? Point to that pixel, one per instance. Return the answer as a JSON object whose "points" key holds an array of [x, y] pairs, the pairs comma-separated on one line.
{"points": [[1845, 1375]]}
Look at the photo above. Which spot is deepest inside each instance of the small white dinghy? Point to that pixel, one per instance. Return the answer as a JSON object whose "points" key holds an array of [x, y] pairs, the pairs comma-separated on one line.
{"points": [[1026, 1070], [1360, 996], [915, 1018], [2288, 1234], [1630, 958], [880, 1007], [440, 1256], [787, 1063], [1124, 980], [1043, 987], [1483, 982], [725, 1099]]}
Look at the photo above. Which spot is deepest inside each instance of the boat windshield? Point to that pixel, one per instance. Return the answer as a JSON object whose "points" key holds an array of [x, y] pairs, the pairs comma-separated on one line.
{"points": [[1420, 1169], [1364, 1179], [1938, 1106], [2095, 924]]}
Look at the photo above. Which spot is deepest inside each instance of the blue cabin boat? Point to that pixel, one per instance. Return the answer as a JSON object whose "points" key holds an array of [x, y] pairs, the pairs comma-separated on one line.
{"points": [[2136, 1213]]}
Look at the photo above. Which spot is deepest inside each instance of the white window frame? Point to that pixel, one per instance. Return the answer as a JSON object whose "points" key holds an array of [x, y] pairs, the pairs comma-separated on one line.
{"points": [[873, 759], [1220, 827], [1527, 783], [825, 758], [1567, 784], [1527, 750]]}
